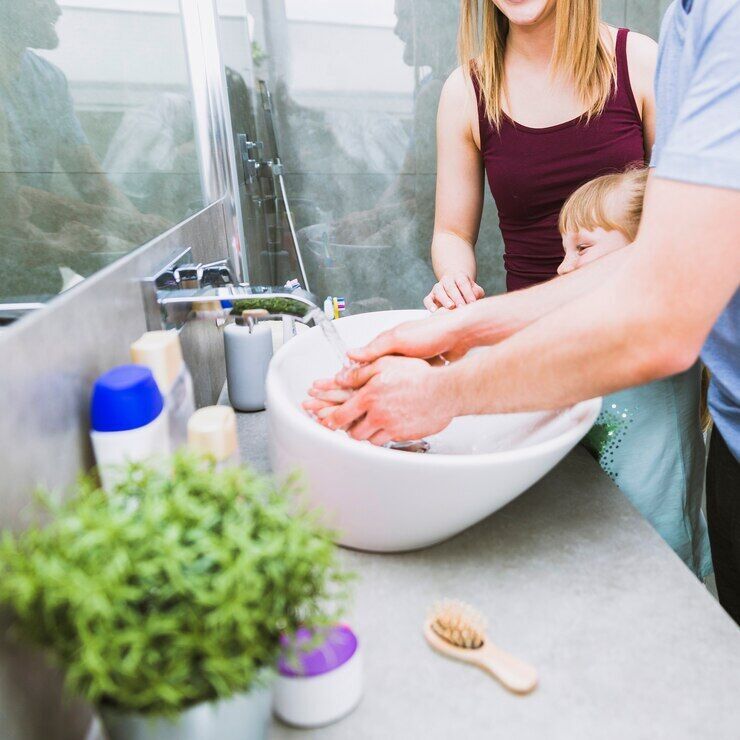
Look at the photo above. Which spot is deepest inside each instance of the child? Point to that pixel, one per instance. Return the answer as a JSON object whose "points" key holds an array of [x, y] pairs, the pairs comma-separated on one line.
{"points": [[647, 439]]}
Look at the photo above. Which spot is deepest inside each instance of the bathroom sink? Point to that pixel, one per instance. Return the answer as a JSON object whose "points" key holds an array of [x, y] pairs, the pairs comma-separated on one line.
{"points": [[386, 500]]}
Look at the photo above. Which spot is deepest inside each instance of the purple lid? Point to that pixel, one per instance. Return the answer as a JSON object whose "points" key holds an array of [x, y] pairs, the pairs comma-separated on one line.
{"points": [[338, 647]]}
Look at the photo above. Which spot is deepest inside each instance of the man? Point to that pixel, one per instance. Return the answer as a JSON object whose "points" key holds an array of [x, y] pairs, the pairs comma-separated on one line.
{"points": [[637, 315]]}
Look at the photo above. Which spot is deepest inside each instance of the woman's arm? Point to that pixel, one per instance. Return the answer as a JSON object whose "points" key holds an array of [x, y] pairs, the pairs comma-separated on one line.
{"points": [[459, 199], [642, 56]]}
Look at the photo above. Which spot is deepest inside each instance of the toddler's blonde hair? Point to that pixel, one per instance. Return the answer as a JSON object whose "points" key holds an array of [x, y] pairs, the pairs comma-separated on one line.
{"points": [[595, 205]]}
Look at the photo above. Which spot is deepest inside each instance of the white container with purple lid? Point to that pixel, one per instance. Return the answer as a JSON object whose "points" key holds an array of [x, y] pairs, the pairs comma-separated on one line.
{"points": [[318, 686]]}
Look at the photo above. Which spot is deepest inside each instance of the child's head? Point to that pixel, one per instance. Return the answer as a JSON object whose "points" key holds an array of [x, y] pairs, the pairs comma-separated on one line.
{"points": [[601, 216]]}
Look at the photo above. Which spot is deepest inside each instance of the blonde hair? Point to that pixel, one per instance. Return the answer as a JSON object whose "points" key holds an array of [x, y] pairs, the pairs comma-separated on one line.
{"points": [[595, 205], [580, 53]]}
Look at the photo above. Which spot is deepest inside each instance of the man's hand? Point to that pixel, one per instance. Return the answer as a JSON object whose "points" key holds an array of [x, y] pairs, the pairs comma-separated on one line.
{"points": [[425, 339], [394, 398]]}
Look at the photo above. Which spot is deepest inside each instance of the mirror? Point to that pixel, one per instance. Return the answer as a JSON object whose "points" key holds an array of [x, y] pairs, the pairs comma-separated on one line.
{"points": [[97, 145]]}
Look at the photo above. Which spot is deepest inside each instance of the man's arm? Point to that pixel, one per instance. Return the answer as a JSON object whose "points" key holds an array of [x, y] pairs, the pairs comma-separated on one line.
{"points": [[489, 320], [650, 320]]}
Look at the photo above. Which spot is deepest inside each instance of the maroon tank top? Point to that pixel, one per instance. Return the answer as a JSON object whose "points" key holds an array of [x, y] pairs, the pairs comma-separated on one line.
{"points": [[532, 171]]}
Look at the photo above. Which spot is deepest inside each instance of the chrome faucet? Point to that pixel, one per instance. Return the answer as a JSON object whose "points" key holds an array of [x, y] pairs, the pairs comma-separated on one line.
{"points": [[210, 291]]}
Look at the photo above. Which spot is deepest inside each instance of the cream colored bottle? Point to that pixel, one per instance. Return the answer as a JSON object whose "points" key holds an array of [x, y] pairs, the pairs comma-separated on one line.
{"points": [[161, 352]]}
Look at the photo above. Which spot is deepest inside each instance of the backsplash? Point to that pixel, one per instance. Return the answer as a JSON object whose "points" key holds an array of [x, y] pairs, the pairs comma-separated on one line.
{"points": [[49, 360]]}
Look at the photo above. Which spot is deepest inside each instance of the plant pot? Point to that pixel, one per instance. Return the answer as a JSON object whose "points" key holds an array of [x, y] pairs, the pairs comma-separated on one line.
{"points": [[242, 717]]}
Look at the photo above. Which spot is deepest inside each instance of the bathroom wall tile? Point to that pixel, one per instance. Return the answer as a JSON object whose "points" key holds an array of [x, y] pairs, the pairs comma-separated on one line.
{"points": [[489, 248], [613, 11], [364, 237], [644, 16], [33, 703]]}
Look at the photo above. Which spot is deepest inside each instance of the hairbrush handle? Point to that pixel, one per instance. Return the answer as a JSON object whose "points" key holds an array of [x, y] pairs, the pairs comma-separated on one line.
{"points": [[514, 674]]}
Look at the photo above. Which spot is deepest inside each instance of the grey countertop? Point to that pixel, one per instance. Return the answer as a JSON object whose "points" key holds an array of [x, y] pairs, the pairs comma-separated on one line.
{"points": [[627, 642]]}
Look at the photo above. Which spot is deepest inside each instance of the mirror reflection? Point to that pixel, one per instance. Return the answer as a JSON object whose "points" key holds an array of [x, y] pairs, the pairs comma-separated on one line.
{"points": [[97, 150]]}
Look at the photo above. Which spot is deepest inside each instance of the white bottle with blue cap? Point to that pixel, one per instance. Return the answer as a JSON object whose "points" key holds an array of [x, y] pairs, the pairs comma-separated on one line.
{"points": [[128, 419]]}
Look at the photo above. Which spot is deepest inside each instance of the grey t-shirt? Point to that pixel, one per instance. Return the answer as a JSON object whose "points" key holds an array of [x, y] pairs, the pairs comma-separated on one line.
{"points": [[697, 87]]}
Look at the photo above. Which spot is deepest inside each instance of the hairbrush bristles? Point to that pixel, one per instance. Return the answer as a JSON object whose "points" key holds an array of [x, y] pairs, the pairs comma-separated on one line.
{"points": [[459, 624]]}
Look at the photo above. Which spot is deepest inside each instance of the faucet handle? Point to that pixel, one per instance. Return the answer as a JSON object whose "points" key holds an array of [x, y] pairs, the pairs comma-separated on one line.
{"points": [[212, 274], [251, 316], [217, 274], [189, 275]]}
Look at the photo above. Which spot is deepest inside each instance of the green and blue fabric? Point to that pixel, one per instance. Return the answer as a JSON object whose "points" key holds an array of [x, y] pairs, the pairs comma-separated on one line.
{"points": [[648, 440]]}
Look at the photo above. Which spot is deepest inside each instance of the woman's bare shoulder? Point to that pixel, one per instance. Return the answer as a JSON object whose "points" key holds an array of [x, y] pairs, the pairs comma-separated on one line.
{"points": [[642, 51], [642, 56], [458, 86], [458, 105]]}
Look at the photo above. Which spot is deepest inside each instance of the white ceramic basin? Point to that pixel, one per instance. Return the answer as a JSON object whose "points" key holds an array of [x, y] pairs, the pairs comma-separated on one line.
{"points": [[385, 500]]}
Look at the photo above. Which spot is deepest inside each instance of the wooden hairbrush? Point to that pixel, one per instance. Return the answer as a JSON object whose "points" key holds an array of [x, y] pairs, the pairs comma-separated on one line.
{"points": [[458, 631]]}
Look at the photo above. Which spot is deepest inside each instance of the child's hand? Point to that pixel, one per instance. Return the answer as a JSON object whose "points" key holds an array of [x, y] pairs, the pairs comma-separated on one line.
{"points": [[325, 395]]}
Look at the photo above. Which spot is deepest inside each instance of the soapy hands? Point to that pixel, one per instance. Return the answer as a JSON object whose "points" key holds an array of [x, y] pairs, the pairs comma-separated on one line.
{"points": [[392, 398], [394, 391]]}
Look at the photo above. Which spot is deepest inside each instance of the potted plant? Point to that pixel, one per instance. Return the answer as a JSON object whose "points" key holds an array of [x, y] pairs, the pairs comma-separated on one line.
{"points": [[164, 601]]}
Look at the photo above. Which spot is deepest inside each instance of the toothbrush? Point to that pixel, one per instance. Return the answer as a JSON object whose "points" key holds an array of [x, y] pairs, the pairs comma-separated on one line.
{"points": [[457, 630]]}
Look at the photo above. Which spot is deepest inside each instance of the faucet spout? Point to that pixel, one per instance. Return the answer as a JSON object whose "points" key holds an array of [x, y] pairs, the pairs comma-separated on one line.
{"points": [[221, 302], [296, 304]]}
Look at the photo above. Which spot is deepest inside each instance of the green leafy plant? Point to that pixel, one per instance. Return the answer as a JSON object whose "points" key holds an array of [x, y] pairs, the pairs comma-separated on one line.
{"points": [[175, 588]]}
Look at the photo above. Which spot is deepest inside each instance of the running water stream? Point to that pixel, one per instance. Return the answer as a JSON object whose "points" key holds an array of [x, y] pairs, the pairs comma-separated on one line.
{"points": [[340, 348], [331, 334]]}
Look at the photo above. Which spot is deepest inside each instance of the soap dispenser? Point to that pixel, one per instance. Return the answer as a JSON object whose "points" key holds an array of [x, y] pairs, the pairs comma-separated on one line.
{"points": [[248, 351]]}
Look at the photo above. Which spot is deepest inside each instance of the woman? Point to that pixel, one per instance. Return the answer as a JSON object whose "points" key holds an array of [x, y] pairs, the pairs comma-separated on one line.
{"points": [[550, 98]]}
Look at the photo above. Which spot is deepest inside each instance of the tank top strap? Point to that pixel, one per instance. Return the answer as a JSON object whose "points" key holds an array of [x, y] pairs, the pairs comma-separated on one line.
{"points": [[624, 92]]}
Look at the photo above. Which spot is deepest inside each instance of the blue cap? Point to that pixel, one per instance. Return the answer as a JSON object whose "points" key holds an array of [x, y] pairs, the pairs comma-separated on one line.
{"points": [[126, 397]]}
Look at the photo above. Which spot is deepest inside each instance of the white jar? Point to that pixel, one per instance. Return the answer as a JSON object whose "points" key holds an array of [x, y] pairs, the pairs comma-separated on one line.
{"points": [[212, 432], [323, 685]]}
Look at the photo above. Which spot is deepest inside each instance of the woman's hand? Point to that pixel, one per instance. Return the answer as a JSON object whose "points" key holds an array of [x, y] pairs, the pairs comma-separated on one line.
{"points": [[394, 398], [453, 291]]}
